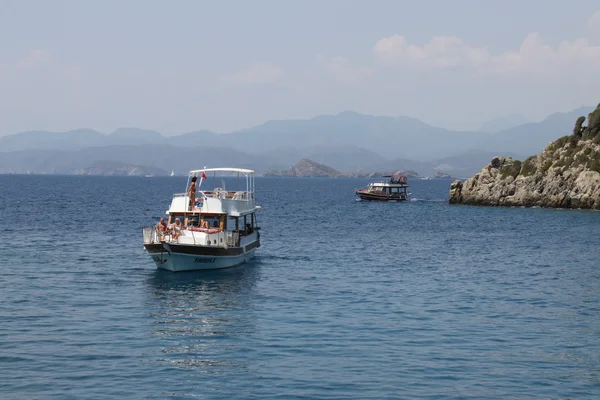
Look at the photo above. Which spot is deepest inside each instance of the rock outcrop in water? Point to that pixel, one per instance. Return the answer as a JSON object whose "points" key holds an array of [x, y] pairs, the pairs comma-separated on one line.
{"points": [[565, 175]]}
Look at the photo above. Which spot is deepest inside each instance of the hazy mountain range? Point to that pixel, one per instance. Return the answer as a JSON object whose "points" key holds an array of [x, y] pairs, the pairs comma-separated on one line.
{"points": [[348, 142], [503, 123]]}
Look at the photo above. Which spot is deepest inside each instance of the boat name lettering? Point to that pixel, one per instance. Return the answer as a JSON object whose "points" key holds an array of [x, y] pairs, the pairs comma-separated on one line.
{"points": [[204, 260]]}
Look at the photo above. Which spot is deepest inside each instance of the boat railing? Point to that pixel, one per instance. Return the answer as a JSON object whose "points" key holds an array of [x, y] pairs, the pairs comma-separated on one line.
{"points": [[152, 235], [213, 237], [148, 232], [221, 194], [225, 195]]}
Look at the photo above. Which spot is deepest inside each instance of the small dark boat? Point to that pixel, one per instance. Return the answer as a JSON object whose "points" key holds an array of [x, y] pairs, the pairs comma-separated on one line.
{"points": [[393, 189]]}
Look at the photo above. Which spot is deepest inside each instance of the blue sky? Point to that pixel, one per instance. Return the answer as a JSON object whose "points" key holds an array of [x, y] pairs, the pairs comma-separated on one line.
{"points": [[180, 66]]}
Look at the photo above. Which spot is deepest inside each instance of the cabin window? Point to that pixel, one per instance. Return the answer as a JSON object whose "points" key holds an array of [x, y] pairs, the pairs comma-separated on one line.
{"points": [[212, 220], [232, 223]]}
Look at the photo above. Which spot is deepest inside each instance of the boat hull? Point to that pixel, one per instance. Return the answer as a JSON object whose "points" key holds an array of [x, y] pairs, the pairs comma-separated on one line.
{"points": [[379, 196], [177, 258]]}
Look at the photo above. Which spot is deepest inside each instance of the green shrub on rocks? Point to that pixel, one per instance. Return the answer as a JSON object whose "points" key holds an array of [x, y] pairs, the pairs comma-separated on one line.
{"points": [[510, 169], [593, 163], [564, 162], [580, 159], [594, 122], [558, 143], [577, 131], [561, 142], [529, 167], [546, 166], [571, 152]]}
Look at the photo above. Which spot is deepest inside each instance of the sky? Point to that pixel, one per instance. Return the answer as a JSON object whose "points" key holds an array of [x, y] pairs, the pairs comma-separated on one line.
{"points": [[188, 65]]}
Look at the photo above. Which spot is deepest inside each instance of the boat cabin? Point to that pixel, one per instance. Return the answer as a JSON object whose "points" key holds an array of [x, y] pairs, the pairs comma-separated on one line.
{"points": [[217, 216], [209, 226]]}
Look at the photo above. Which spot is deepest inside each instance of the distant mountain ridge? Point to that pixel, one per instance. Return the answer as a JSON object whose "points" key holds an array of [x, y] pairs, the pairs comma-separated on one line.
{"points": [[348, 142], [390, 137], [503, 123]]}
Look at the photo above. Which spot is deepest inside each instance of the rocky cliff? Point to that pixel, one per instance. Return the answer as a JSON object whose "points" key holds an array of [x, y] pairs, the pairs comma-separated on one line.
{"points": [[565, 175]]}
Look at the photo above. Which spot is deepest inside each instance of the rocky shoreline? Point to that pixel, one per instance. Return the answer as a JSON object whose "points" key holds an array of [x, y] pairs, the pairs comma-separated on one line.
{"points": [[565, 175]]}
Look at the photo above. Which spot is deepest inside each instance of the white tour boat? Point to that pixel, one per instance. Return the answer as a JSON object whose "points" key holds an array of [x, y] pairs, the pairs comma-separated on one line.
{"points": [[219, 230]]}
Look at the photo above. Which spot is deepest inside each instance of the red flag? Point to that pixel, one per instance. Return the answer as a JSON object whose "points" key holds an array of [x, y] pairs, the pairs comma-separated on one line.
{"points": [[203, 175]]}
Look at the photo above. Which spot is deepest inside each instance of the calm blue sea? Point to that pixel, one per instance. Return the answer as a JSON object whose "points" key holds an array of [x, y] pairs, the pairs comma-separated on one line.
{"points": [[347, 299]]}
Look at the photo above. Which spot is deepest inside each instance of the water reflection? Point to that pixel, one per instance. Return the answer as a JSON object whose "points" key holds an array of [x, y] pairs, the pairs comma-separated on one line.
{"points": [[221, 281], [201, 319]]}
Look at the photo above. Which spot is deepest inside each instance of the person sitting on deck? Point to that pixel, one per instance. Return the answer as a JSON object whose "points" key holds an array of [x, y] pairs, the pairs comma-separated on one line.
{"points": [[176, 228], [161, 228]]}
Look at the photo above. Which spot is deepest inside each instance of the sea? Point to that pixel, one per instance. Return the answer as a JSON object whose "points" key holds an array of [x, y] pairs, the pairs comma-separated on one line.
{"points": [[345, 299]]}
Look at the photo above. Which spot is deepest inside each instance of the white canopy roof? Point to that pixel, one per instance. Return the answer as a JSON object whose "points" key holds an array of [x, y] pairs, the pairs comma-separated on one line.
{"points": [[245, 171]]}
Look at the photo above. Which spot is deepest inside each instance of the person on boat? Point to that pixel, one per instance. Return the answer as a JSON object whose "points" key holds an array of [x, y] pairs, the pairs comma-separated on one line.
{"points": [[176, 228], [161, 228], [192, 193]]}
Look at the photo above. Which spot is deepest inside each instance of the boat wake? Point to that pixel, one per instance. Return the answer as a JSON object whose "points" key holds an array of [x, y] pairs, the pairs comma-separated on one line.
{"points": [[418, 200]]}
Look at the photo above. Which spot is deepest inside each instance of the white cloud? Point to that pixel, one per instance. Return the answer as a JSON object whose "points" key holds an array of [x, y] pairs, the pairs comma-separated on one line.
{"points": [[442, 52], [464, 82], [390, 49], [537, 57]]}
